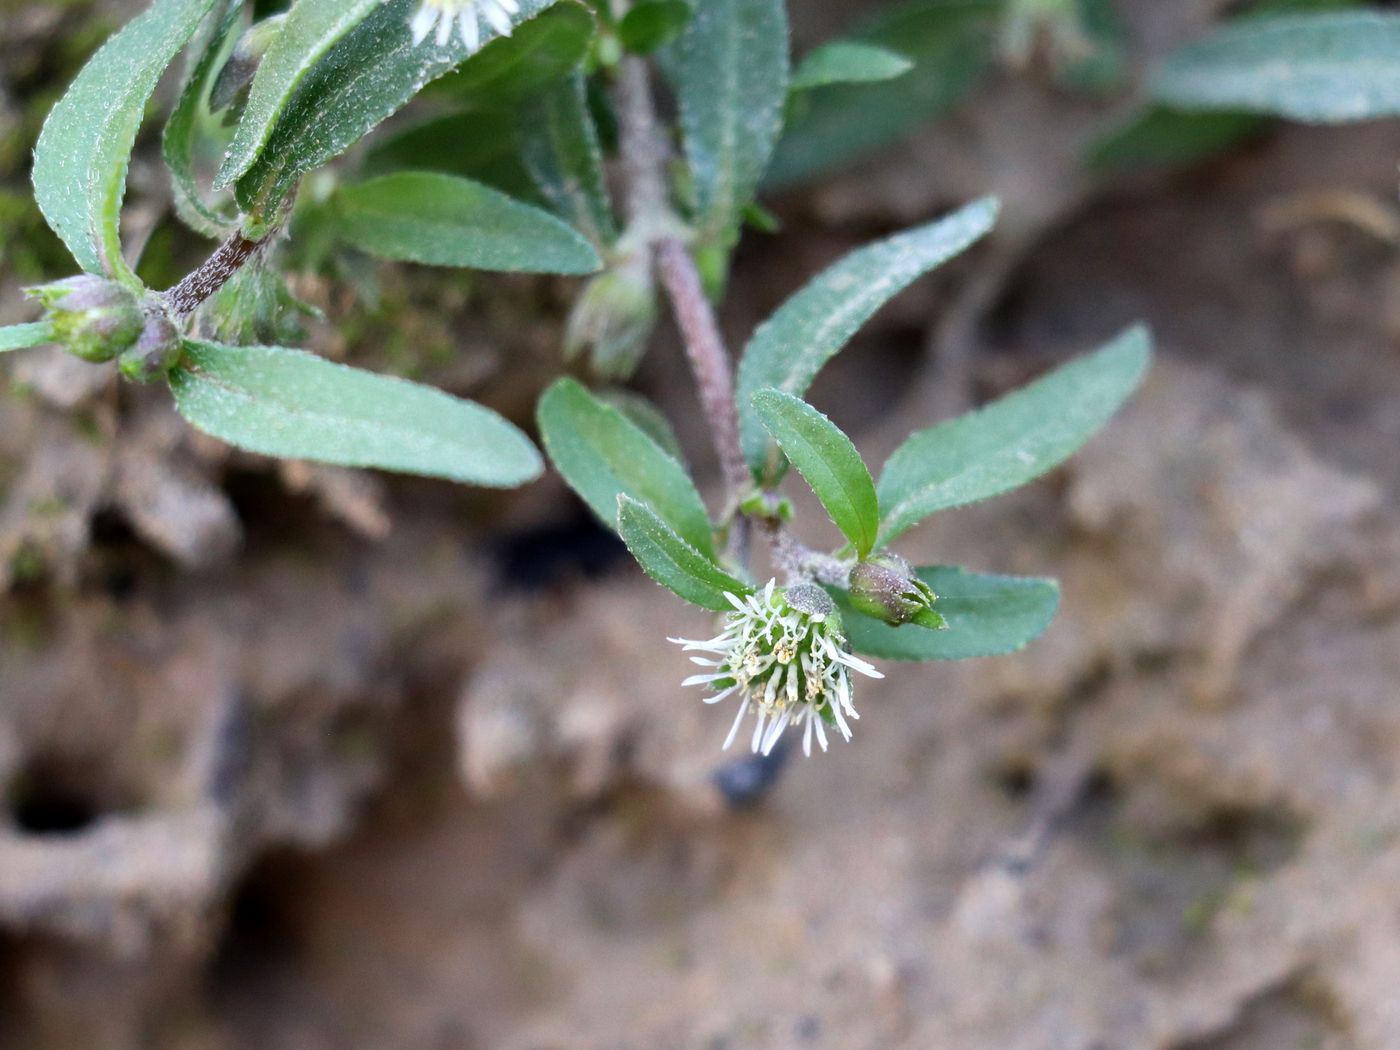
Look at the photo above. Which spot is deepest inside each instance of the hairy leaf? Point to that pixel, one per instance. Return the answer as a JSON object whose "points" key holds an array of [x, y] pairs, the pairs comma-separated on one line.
{"points": [[312, 28], [648, 418], [478, 145], [181, 130], [788, 349], [370, 73], [295, 405], [1013, 440], [986, 616], [559, 145], [825, 457], [81, 160], [443, 220], [536, 56], [1320, 68], [730, 68], [672, 562], [602, 454]]}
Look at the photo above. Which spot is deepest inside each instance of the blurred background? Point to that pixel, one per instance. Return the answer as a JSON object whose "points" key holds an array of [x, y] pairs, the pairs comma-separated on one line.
{"points": [[301, 758]]}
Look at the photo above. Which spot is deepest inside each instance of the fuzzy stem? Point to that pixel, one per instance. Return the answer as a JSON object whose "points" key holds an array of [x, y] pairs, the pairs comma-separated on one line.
{"points": [[709, 359], [216, 271], [648, 207]]}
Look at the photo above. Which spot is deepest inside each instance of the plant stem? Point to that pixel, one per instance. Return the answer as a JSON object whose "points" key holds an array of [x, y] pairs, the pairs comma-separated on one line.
{"points": [[216, 271], [649, 214], [709, 359]]}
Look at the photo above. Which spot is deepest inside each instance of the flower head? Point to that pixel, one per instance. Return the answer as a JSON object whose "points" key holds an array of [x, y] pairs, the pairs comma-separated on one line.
{"points": [[783, 653], [446, 15]]}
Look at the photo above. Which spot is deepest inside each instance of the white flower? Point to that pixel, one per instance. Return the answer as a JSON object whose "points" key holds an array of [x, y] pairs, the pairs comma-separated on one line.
{"points": [[446, 15], [783, 652]]}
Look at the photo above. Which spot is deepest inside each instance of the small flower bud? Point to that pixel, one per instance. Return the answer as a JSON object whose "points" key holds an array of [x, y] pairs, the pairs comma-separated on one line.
{"points": [[93, 318], [613, 319], [886, 588], [156, 351]]}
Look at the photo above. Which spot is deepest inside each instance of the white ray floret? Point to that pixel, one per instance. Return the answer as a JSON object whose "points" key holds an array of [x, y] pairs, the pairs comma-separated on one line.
{"points": [[440, 18], [790, 667]]}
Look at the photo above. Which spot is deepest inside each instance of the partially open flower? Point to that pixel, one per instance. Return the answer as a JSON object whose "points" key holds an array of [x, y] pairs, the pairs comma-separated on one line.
{"points": [[782, 651], [446, 15]]}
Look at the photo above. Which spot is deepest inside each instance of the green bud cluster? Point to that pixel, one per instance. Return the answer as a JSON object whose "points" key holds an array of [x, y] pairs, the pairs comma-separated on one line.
{"points": [[100, 320]]}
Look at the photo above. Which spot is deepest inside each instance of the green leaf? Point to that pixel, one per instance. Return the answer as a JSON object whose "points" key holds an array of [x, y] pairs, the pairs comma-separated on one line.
{"points": [[370, 73], [788, 349], [950, 43], [849, 62], [1319, 68], [986, 616], [312, 28], [23, 336], [653, 24], [1013, 440], [825, 457], [298, 406], [476, 145], [731, 76], [559, 145], [1161, 137], [81, 159], [540, 53], [181, 130], [672, 562], [647, 418], [602, 455], [443, 220]]}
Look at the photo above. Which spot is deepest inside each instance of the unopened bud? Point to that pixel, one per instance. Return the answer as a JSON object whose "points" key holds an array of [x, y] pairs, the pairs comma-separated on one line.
{"points": [[93, 318], [156, 351], [886, 588], [613, 319]]}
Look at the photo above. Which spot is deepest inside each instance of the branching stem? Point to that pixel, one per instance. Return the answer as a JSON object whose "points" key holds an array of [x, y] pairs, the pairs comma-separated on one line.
{"points": [[651, 221]]}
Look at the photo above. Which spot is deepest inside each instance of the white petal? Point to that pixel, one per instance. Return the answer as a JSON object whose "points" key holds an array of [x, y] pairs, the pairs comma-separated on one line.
{"points": [[734, 729], [758, 730], [422, 24], [510, 6], [444, 29], [702, 679], [840, 721], [807, 737], [471, 32], [821, 729], [775, 731], [497, 17], [720, 696]]}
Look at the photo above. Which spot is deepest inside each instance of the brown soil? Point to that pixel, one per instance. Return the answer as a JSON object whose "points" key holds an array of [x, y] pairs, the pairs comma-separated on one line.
{"points": [[299, 759]]}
